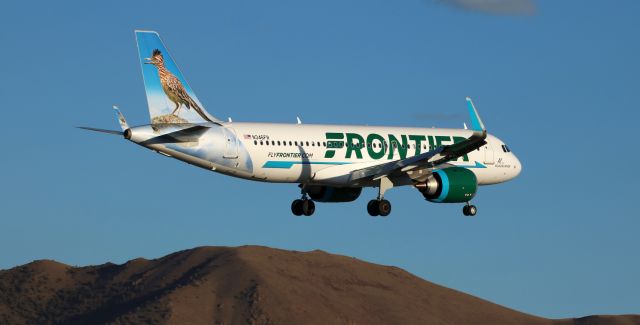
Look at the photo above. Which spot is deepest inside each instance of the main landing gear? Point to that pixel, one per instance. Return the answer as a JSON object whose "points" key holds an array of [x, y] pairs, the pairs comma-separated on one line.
{"points": [[380, 206], [303, 206], [469, 210]]}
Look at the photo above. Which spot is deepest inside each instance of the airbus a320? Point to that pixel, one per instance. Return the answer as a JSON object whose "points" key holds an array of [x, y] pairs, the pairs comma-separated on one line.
{"points": [[330, 163]]}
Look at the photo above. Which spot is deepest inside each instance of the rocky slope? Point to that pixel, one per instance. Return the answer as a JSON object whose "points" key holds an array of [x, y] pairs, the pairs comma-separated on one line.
{"points": [[245, 285]]}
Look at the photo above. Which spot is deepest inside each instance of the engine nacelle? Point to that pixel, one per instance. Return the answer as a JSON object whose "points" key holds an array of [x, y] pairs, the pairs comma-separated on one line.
{"points": [[449, 185], [333, 194]]}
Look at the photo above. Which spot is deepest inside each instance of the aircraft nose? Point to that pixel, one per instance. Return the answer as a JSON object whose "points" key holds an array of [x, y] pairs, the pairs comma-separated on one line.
{"points": [[517, 167]]}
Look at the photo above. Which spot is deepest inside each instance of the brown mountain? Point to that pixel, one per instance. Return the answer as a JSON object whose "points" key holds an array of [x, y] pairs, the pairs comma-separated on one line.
{"points": [[245, 285]]}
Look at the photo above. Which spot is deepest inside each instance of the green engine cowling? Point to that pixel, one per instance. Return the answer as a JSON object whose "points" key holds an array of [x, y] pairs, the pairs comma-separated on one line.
{"points": [[333, 194], [450, 185]]}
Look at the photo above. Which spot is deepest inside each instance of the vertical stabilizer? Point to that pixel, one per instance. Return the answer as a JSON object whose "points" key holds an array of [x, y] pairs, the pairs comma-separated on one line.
{"points": [[170, 98]]}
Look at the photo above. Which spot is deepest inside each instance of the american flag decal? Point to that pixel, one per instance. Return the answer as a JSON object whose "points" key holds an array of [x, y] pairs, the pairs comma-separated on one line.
{"points": [[247, 137]]}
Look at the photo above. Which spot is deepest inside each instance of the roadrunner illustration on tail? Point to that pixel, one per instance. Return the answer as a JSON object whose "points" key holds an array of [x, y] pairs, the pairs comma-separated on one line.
{"points": [[172, 86], [330, 163]]}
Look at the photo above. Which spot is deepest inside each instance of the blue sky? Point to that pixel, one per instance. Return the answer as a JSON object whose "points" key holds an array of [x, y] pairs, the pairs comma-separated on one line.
{"points": [[560, 87]]}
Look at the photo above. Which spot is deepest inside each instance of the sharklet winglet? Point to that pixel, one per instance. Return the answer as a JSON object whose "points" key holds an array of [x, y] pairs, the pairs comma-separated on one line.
{"points": [[476, 122]]}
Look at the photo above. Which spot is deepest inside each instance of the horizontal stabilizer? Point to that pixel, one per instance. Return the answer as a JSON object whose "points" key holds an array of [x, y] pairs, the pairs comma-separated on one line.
{"points": [[101, 130]]}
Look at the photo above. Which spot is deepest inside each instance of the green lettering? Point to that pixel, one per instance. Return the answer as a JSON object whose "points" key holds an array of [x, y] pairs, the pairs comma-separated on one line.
{"points": [[418, 139], [332, 143], [401, 147], [442, 138], [354, 146], [431, 143], [371, 150]]}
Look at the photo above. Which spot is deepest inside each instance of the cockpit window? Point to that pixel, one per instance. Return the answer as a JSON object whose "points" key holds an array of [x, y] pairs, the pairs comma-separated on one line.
{"points": [[505, 148]]}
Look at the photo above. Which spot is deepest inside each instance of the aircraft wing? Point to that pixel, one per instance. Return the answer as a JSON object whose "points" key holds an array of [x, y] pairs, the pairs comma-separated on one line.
{"points": [[438, 156], [352, 173]]}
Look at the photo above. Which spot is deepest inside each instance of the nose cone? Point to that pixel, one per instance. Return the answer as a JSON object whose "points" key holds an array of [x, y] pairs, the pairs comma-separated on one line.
{"points": [[517, 167]]}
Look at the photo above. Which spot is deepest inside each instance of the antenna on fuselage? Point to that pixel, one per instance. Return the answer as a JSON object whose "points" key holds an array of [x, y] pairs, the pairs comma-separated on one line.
{"points": [[298, 119], [230, 120], [465, 125]]}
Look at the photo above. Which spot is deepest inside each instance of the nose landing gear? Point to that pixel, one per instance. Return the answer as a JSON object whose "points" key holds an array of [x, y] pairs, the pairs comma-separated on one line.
{"points": [[469, 210]]}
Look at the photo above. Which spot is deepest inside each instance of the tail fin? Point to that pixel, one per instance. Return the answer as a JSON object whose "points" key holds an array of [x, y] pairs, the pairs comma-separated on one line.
{"points": [[170, 98]]}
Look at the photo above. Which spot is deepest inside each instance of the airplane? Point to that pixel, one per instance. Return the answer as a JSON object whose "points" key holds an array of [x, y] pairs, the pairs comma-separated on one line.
{"points": [[330, 163]]}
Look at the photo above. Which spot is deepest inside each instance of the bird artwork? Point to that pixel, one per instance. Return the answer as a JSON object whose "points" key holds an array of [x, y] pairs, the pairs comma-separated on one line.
{"points": [[172, 86]]}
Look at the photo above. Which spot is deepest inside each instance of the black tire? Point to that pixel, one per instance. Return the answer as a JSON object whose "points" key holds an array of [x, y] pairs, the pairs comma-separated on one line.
{"points": [[472, 210], [308, 207], [296, 207], [372, 208], [384, 207], [465, 210]]}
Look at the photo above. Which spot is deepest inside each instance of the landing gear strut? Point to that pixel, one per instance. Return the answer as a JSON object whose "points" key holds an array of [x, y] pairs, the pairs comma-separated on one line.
{"points": [[469, 210], [303, 206], [380, 206]]}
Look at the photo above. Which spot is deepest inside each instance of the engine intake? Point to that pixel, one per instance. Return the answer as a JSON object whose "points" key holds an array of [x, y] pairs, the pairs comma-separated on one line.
{"points": [[449, 185], [333, 194]]}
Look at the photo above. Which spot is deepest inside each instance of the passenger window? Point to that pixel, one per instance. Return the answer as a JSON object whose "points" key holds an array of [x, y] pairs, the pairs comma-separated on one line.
{"points": [[278, 142], [307, 143], [261, 143], [255, 142]]}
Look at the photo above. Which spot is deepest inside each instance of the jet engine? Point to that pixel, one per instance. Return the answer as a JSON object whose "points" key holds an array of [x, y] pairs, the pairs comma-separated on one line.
{"points": [[333, 194], [449, 185]]}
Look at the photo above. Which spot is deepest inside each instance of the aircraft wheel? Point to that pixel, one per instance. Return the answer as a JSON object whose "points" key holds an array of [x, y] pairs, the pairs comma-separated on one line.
{"points": [[469, 210], [384, 207], [372, 208], [296, 207], [308, 207]]}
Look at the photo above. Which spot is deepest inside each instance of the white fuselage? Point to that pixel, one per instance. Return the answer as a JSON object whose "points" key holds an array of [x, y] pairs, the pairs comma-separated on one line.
{"points": [[322, 154]]}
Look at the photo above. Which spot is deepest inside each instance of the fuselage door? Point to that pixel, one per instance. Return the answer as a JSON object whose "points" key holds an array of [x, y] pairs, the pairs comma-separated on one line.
{"points": [[231, 143], [488, 154]]}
